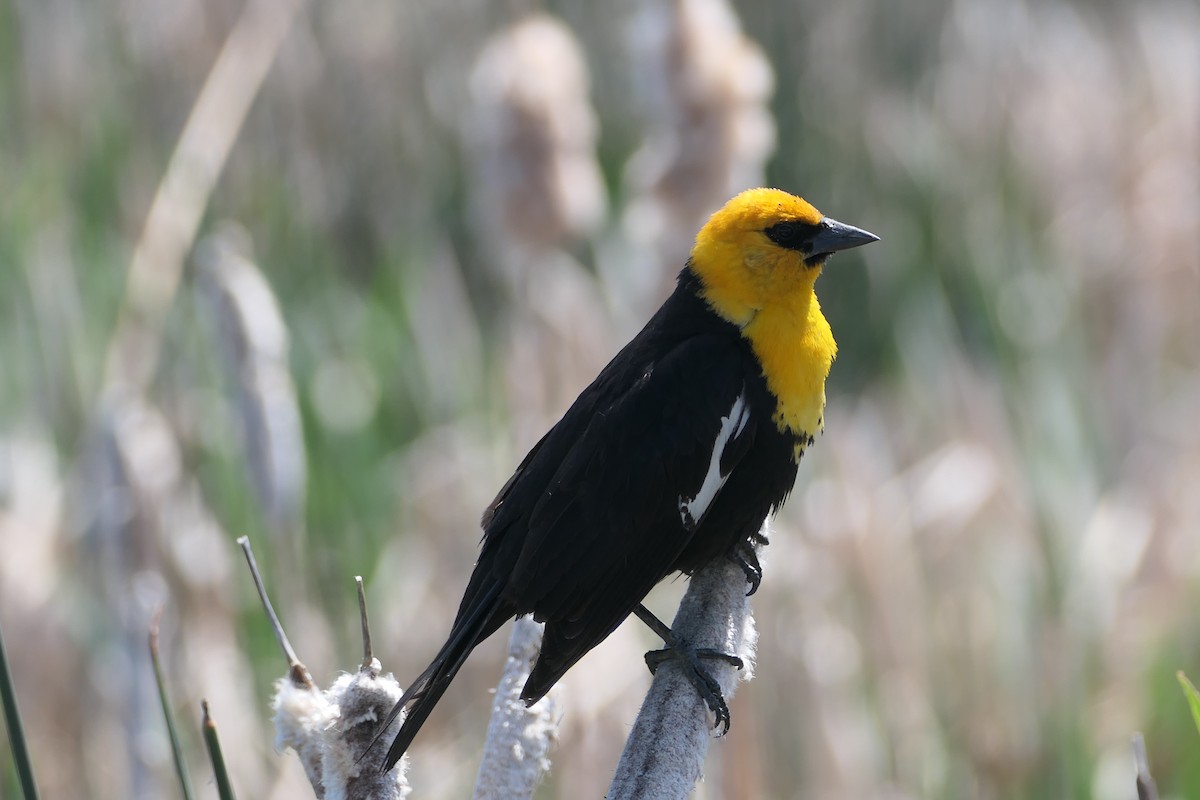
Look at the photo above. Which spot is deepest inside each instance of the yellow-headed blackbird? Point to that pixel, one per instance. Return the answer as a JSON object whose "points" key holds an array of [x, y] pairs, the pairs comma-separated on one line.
{"points": [[671, 458]]}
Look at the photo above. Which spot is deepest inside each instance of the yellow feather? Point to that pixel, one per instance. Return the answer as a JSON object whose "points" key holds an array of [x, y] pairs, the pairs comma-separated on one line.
{"points": [[767, 291]]}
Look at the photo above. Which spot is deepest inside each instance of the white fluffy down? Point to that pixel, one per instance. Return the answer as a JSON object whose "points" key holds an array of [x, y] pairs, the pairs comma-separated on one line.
{"points": [[363, 700], [331, 732]]}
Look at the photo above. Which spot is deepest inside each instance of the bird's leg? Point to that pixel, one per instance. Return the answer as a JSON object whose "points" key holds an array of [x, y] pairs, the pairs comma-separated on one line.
{"points": [[689, 658]]}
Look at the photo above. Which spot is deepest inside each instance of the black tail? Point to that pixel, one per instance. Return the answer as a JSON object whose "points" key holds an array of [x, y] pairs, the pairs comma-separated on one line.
{"points": [[472, 628]]}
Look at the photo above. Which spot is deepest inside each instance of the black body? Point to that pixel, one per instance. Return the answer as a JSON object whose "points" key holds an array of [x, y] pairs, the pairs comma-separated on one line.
{"points": [[591, 520]]}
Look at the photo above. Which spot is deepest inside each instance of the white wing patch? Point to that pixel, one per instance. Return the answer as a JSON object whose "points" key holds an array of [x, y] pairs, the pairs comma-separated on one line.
{"points": [[693, 510]]}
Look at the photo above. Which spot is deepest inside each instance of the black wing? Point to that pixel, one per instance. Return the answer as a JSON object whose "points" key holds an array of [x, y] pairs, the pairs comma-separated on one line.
{"points": [[627, 497]]}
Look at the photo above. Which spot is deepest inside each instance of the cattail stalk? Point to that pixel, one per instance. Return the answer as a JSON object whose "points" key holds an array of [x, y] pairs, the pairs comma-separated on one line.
{"points": [[519, 737], [665, 752], [191, 174], [705, 86]]}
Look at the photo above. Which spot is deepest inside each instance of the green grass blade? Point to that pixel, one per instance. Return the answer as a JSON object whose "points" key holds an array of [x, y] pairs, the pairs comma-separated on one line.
{"points": [[172, 731], [224, 787], [16, 732], [1193, 697]]}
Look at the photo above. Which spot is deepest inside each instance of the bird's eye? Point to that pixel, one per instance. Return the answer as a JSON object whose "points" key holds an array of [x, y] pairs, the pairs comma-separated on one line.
{"points": [[792, 234]]}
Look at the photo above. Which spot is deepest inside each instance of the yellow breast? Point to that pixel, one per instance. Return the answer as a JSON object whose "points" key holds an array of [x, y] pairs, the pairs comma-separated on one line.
{"points": [[766, 289], [795, 347]]}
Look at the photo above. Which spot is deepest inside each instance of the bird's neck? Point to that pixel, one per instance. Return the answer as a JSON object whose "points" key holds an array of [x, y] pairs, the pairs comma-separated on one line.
{"points": [[794, 344]]}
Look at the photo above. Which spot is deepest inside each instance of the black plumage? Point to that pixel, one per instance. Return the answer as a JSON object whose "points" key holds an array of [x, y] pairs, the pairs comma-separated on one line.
{"points": [[595, 515]]}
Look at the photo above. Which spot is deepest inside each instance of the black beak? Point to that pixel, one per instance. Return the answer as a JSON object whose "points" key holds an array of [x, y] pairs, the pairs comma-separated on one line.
{"points": [[833, 236]]}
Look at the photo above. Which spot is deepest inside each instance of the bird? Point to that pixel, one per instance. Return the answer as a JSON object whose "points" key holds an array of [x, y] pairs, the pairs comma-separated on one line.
{"points": [[672, 458]]}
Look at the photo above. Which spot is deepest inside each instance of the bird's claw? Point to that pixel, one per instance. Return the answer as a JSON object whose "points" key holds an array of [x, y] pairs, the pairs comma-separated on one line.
{"points": [[700, 678], [746, 557]]}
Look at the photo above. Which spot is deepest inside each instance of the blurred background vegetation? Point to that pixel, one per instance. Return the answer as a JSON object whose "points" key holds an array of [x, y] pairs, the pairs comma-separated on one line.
{"points": [[396, 240]]}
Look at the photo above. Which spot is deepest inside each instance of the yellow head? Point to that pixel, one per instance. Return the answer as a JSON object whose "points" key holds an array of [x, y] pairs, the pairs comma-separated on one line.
{"points": [[766, 247]]}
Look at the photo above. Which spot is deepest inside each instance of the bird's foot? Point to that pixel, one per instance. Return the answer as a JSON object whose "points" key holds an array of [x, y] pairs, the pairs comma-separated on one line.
{"points": [[706, 685], [746, 557], [689, 661]]}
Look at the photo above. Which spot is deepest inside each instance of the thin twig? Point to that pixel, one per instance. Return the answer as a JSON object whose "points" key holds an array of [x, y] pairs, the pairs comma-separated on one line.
{"points": [[172, 731], [16, 732], [224, 787], [299, 673], [368, 655]]}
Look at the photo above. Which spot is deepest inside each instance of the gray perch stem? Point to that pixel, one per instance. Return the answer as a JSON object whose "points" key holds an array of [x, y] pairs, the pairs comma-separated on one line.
{"points": [[517, 752], [1146, 789], [664, 755]]}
